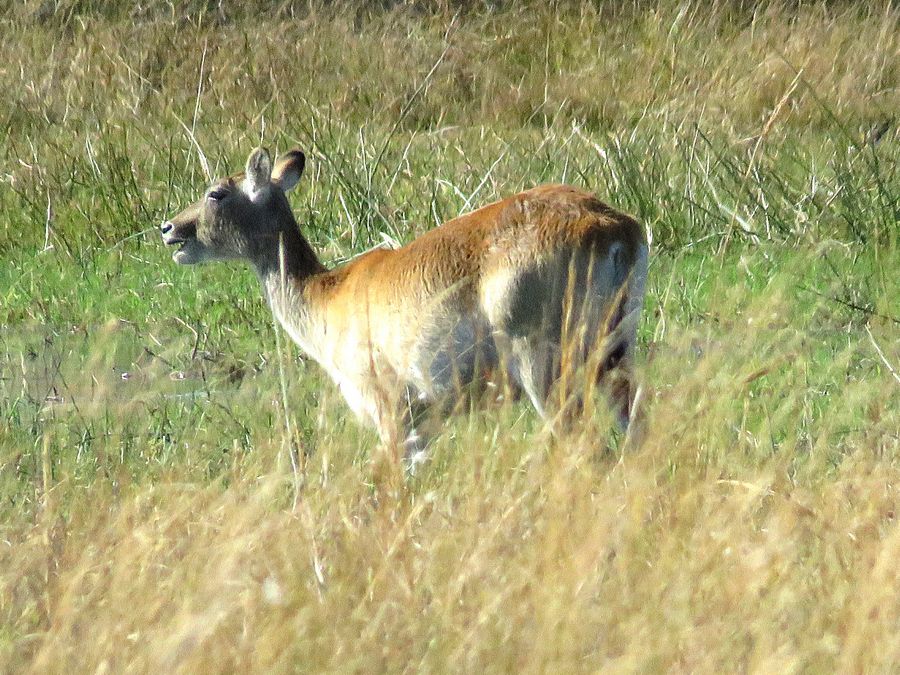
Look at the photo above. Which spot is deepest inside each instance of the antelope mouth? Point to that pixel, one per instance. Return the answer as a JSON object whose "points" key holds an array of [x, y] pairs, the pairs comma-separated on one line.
{"points": [[174, 240], [186, 253], [180, 255], [183, 255]]}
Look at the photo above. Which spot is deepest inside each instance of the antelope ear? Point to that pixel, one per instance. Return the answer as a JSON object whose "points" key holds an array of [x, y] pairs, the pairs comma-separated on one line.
{"points": [[288, 169], [259, 170]]}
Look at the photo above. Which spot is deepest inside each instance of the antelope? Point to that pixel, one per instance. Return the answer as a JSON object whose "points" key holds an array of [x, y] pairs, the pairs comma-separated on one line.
{"points": [[524, 289]]}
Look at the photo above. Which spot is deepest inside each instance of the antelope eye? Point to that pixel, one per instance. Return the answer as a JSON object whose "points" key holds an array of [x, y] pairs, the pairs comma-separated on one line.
{"points": [[217, 194]]}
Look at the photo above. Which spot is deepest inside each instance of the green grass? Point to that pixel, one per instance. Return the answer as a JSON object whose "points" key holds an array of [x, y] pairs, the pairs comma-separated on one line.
{"points": [[149, 515]]}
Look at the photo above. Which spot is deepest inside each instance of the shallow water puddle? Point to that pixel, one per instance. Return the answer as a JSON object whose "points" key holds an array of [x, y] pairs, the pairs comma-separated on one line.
{"points": [[111, 368]]}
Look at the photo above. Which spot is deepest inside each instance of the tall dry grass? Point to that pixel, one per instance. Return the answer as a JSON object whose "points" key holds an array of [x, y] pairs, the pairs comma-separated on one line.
{"points": [[149, 519], [755, 528]]}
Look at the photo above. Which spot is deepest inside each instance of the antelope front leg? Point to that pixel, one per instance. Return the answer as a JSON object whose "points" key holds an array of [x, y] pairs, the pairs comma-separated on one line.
{"points": [[402, 427], [415, 415]]}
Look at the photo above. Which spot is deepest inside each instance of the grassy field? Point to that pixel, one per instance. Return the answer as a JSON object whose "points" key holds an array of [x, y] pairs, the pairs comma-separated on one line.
{"points": [[150, 517]]}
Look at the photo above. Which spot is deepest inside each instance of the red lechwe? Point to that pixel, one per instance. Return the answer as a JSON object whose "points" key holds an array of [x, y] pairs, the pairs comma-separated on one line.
{"points": [[540, 291]]}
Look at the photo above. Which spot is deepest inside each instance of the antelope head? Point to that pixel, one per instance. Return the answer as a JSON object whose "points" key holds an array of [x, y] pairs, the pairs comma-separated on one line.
{"points": [[242, 217]]}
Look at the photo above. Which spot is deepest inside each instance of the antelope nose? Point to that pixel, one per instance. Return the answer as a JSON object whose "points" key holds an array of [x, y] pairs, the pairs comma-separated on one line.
{"points": [[166, 227]]}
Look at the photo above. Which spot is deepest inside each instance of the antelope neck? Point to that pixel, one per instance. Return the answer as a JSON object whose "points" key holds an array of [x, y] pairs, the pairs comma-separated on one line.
{"points": [[285, 263]]}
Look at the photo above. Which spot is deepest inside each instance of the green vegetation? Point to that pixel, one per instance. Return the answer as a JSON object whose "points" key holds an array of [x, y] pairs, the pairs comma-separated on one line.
{"points": [[150, 518]]}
